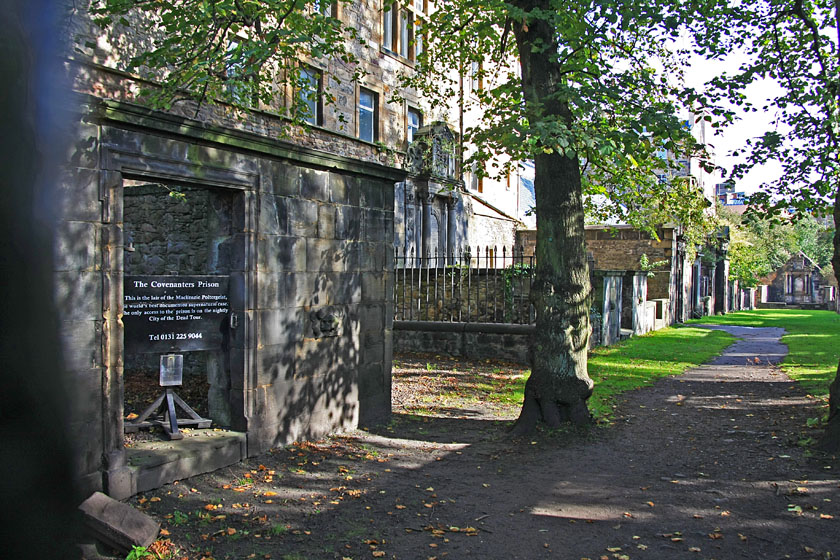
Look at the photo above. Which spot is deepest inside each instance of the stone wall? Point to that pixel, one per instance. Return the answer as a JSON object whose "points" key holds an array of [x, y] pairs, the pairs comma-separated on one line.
{"points": [[488, 227], [99, 66], [466, 340], [621, 248], [479, 341], [305, 237]]}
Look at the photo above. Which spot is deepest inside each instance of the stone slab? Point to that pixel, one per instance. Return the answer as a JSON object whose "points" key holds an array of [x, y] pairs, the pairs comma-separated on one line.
{"points": [[154, 464], [117, 524]]}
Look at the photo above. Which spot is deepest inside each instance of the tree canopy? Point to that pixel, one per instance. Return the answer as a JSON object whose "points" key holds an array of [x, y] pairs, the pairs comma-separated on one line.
{"points": [[243, 52], [632, 116], [760, 244], [796, 44]]}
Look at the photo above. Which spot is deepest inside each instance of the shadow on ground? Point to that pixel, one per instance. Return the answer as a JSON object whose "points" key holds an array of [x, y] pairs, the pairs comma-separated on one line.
{"points": [[711, 464]]}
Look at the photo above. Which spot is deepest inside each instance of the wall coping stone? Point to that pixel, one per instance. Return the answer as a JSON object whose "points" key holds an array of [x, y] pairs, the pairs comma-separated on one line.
{"points": [[137, 116], [442, 326]]}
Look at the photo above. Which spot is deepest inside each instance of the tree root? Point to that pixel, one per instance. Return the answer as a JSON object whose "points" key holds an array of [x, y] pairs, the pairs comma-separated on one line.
{"points": [[550, 412], [830, 440]]}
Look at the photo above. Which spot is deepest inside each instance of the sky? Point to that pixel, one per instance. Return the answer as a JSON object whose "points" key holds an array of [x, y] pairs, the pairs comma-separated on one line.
{"points": [[734, 136]]}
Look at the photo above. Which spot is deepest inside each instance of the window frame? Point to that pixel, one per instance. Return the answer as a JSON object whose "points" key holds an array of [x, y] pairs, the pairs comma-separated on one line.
{"points": [[476, 76], [409, 110], [328, 8], [374, 109], [317, 118], [399, 30], [239, 93]]}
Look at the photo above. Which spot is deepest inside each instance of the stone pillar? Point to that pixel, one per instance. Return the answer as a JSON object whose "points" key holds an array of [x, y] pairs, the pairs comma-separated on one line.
{"points": [[640, 323], [410, 220], [451, 228], [425, 242], [444, 233], [698, 294]]}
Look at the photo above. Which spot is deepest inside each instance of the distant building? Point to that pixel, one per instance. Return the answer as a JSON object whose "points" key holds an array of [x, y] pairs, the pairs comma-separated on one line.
{"points": [[726, 195], [799, 281]]}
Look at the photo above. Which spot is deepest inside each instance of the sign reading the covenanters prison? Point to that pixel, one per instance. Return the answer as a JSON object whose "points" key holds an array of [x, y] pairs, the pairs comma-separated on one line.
{"points": [[175, 313]]}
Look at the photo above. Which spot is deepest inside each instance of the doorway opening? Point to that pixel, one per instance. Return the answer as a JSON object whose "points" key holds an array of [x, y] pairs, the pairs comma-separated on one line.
{"points": [[171, 232]]}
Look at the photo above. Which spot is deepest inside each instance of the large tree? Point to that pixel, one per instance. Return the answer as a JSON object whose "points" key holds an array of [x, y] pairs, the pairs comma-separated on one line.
{"points": [[796, 44], [588, 91]]}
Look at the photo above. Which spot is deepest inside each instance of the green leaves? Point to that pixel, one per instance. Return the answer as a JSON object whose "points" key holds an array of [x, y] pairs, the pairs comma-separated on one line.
{"points": [[244, 52], [795, 45]]}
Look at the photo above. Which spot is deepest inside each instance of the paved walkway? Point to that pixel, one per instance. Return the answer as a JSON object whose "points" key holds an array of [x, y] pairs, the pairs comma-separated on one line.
{"points": [[704, 465]]}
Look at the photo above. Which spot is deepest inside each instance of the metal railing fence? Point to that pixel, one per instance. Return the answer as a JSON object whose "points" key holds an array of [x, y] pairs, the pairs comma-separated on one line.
{"points": [[473, 286]]}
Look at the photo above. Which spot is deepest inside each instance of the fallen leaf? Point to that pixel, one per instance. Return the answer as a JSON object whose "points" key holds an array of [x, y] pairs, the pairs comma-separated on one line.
{"points": [[231, 531], [378, 553], [826, 516]]}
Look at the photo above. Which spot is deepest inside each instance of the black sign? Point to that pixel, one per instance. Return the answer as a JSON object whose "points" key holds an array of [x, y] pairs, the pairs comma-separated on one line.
{"points": [[175, 313]]}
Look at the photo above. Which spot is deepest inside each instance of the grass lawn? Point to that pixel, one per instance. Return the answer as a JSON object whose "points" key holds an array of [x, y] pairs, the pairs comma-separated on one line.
{"points": [[641, 360], [813, 340], [451, 383]]}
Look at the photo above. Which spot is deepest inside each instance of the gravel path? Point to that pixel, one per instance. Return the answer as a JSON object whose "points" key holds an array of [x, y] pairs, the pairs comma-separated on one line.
{"points": [[704, 465]]}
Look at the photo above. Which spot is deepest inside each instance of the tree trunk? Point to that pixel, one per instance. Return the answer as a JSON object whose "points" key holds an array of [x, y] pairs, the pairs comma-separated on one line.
{"points": [[830, 441], [559, 384]]}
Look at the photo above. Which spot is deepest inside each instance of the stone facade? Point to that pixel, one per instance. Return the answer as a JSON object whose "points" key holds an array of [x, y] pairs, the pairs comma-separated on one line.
{"points": [[301, 221], [799, 282], [99, 66], [301, 235]]}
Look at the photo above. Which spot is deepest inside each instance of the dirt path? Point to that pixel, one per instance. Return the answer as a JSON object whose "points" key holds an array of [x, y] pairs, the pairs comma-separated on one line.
{"points": [[705, 465]]}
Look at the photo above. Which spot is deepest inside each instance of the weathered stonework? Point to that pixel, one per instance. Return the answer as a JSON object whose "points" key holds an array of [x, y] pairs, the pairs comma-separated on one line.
{"points": [[98, 66], [301, 234]]}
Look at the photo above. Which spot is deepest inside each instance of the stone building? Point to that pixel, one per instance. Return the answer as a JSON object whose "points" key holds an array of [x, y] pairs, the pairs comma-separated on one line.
{"points": [[800, 281], [669, 289], [294, 227]]}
